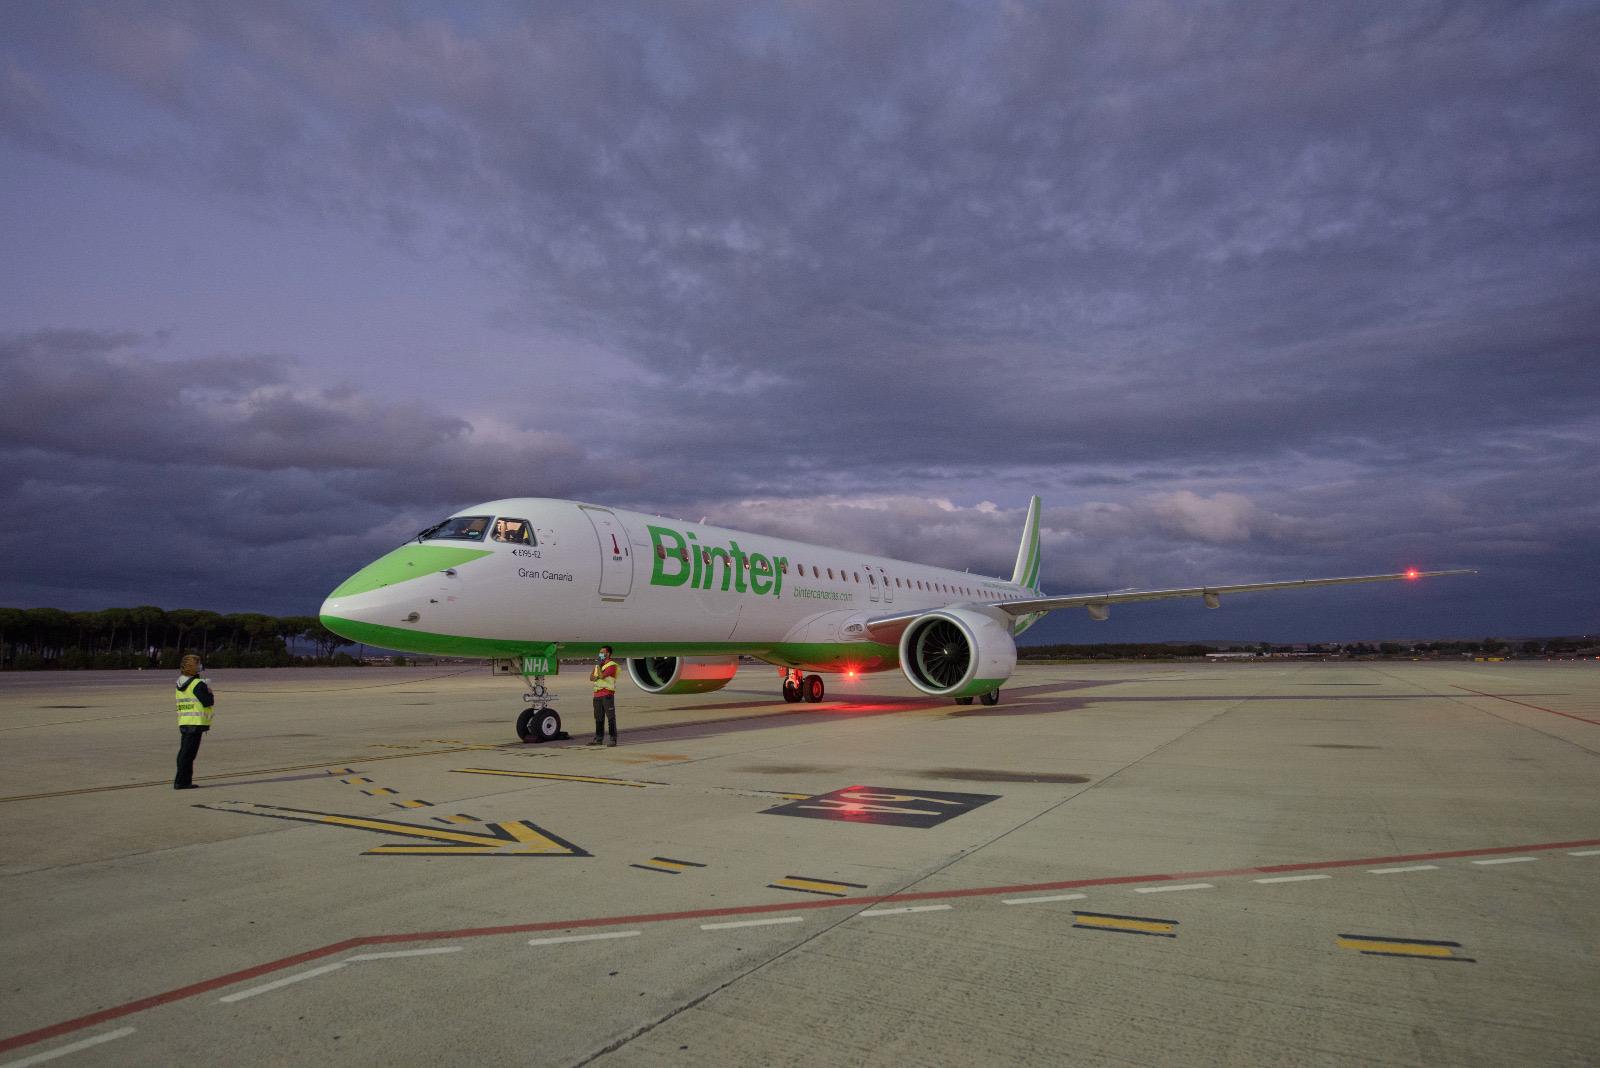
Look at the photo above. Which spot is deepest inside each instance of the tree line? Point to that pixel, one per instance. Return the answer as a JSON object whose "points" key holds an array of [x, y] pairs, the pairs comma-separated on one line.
{"points": [[34, 639]]}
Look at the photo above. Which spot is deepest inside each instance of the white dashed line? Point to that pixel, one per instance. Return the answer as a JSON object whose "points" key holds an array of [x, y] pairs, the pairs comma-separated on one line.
{"points": [[1394, 871], [1506, 860], [404, 953], [580, 938], [749, 923], [1041, 900], [1291, 878], [280, 983], [1585, 853], [50, 1055], [908, 908], [1170, 889]]}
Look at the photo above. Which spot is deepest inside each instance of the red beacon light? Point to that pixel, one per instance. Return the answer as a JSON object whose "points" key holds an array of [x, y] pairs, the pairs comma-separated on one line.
{"points": [[1411, 573]]}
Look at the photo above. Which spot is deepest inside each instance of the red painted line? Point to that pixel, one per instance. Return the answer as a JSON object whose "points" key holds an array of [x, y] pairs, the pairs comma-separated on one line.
{"points": [[1524, 704], [156, 1000]]}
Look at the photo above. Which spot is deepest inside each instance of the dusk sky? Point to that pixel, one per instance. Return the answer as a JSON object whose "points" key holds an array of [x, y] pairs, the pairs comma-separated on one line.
{"points": [[1244, 291]]}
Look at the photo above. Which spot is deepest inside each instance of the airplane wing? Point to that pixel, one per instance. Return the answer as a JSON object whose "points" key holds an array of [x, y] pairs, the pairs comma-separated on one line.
{"points": [[1099, 604]]}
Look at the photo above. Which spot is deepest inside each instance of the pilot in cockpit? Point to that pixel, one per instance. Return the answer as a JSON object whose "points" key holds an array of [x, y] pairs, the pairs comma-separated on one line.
{"points": [[511, 530]]}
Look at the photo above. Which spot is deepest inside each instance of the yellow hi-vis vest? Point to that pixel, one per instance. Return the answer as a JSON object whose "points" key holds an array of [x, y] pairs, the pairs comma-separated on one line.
{"points": [[602, 684], [191, 713]]}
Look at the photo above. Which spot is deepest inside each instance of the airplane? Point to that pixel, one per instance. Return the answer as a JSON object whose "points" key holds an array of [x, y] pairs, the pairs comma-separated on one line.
{"points": [[534, 580]]}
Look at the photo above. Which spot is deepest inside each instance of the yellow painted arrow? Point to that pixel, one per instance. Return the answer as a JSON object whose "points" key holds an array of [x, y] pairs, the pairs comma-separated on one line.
{"points": [[515, 839]]}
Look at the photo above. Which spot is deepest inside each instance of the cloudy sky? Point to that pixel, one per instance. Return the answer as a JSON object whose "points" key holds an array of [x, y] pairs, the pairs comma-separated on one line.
{"points": [[1244, 291]]}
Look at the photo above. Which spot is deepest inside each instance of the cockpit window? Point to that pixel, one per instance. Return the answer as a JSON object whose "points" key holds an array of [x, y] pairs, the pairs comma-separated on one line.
{"points": [[516, 531], [461, 528]]}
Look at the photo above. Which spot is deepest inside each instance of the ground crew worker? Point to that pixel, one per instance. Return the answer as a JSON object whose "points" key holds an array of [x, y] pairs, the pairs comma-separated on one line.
{"points": [[604, 678], [195, 704]]}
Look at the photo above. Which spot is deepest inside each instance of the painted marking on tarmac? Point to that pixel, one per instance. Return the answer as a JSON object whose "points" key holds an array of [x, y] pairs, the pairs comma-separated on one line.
{"points": [[413, 803], [1506, 860], [667, 865], [381, 791], [278, 984], [50, 1055], [905, 910], [1291, 879], [1139, 925], [804, 884], [1381, 946], [1171, 889], [129, 1008], [602, 780], [355, 781], [892, 806], [458, 818], [429, 952], [167, 782], [750, 923], [1524, 704], [1585, 853], [511, 839], [564, 939], [341, 771], [1041, 900], [1397, 871]]}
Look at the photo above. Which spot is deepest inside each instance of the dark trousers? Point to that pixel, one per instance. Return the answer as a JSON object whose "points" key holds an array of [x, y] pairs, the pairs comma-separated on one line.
{"points": [[188, 749], [605, 713]]}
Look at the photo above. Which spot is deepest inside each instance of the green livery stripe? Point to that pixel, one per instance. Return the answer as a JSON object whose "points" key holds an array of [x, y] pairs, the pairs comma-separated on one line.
{"points": [[405, 563], [975, 687], [817, 655]]}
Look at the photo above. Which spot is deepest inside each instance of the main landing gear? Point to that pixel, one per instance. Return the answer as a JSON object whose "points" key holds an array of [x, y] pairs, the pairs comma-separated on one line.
{"points": [[798, 687], [990, 697], [540, 722]]}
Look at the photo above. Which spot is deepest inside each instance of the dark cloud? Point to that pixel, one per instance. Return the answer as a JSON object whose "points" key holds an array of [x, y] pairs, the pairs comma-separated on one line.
{"points": [[1238, 289]]}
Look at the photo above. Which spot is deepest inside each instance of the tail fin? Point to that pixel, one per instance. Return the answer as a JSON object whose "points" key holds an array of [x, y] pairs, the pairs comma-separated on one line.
{"points": [[1026, 573]]}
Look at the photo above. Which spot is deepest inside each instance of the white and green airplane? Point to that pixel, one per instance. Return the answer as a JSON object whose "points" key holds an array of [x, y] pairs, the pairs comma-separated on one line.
{"points": [[534, 580]]}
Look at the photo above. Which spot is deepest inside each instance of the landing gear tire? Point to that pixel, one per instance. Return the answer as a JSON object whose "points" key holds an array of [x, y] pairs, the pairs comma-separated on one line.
{"points": [[812, 688], [539, 725], [992, 697], [791, 691], [963, 700]]}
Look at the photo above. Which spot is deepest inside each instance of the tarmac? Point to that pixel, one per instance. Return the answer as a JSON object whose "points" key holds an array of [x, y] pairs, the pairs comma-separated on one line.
{"points": [[1173, 864]]}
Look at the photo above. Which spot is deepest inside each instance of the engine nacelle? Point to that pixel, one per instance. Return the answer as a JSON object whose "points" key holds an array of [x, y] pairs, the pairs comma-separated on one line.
{"points": [[682, 674], [957, 652]]}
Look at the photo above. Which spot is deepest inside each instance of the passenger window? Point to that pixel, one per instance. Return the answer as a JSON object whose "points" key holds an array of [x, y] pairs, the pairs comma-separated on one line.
{"points": [[661, 551], [830, 572], [858, 578], [683, 554], [461, 528], [870, 580]]}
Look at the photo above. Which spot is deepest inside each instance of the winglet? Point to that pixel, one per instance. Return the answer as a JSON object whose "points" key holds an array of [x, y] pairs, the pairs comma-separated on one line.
{"points": [[1026, 573]]}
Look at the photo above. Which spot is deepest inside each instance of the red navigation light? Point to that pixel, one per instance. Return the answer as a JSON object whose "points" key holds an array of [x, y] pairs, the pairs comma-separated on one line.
{"points": [[849, 672], [1411, 572]]}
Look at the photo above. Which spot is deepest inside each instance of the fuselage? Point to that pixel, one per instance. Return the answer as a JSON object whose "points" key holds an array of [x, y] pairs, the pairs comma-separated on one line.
{"points": [[515, 577]]}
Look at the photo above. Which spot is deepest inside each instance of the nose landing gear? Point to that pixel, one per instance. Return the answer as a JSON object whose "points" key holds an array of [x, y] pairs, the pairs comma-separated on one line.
{"points": [[539, 722]]}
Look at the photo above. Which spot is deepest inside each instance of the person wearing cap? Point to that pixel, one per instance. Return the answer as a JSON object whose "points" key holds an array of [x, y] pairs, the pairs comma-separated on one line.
{"points": [[196, 705], [604, 678]]}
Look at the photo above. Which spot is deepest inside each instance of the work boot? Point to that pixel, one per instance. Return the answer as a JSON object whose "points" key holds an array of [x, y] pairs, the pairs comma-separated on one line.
{"points": [[612, 741], [598, 741]]}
